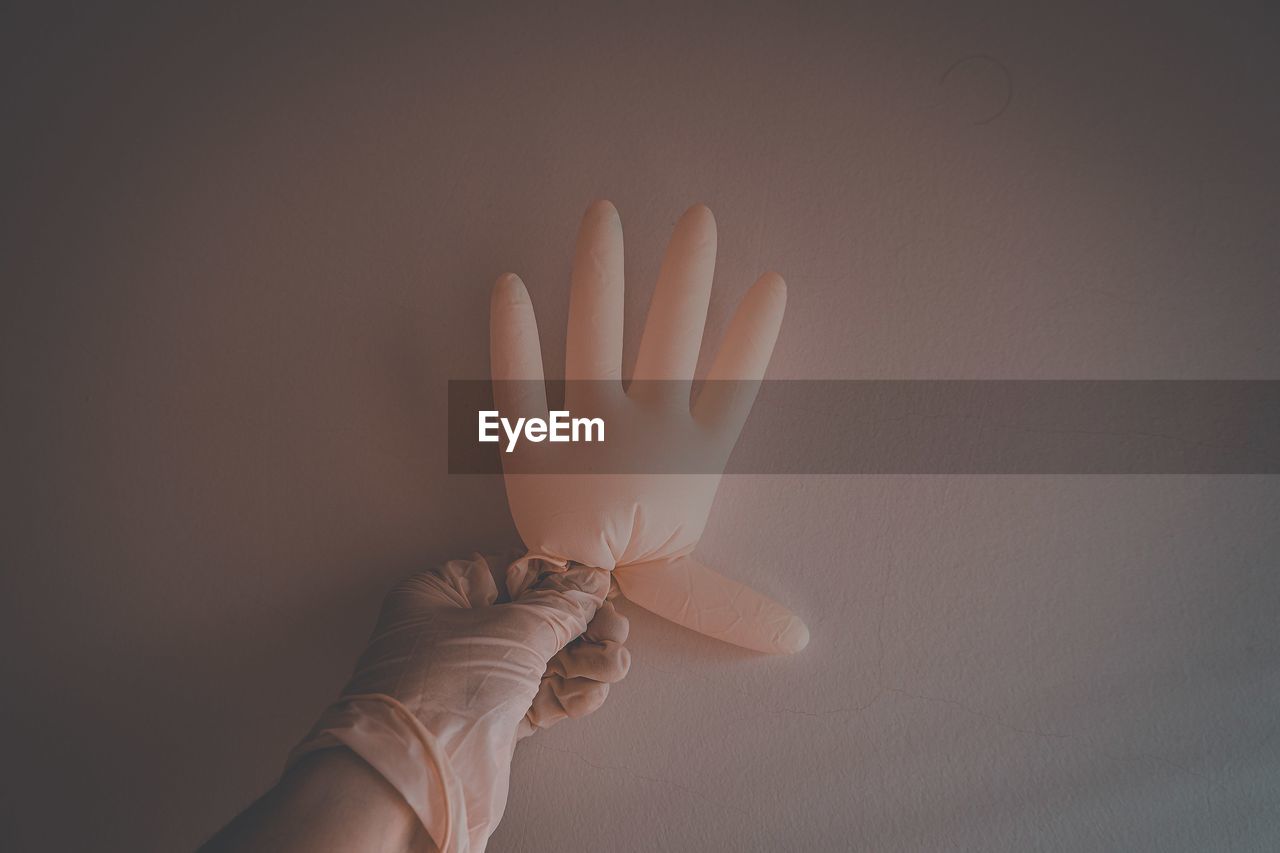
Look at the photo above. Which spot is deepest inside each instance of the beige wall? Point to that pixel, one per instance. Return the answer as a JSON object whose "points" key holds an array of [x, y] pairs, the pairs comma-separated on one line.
{"points": [[244, 253]]}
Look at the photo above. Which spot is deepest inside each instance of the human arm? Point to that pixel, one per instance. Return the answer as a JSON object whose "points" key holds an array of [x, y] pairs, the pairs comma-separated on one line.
{"points": [[456, 672], [329, 802]]}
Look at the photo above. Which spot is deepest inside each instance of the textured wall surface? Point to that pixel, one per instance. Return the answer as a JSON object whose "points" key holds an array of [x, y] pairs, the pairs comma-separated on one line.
{"points": [[244, 250]]}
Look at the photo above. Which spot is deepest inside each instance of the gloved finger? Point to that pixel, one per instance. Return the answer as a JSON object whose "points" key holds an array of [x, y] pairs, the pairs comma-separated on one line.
{"points": [[593, 350], [608, 624], [559, 698], [545, 710], [566, 600], [598, 654], [458, 583], [608, 661], [734, 379], [579, 696], [515, 355], [688, 593], [678, 310]]}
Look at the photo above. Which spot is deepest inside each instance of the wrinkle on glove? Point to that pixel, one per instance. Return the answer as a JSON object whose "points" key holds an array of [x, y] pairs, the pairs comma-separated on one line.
{"points": [[456, 672]]}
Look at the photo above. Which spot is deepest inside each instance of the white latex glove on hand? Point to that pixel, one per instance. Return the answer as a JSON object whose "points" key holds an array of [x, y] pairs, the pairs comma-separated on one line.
{"points": [[451, 680], [640, 525]]}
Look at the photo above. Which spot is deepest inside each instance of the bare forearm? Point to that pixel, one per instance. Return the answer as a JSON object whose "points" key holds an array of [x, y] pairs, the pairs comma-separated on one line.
{"points": [[329, 801]]}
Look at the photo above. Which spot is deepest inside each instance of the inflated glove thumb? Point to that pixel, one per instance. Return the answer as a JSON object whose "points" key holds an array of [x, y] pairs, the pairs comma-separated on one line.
{"points": [[686, 592]]}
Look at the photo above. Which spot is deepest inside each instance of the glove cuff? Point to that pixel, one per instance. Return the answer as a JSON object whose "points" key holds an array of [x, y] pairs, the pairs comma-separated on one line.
{"points": [[392, 741]]}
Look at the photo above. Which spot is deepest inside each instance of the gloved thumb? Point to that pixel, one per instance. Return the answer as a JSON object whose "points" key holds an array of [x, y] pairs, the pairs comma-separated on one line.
{"points": [[565, 600]]}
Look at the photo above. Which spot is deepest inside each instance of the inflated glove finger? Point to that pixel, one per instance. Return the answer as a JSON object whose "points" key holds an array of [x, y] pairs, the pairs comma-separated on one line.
{"points": [[593, 345], [515, 356]]}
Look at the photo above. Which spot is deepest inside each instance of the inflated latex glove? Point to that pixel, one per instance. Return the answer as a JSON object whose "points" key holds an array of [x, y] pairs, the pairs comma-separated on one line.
{"points": [[640, 524], [452, 678]]}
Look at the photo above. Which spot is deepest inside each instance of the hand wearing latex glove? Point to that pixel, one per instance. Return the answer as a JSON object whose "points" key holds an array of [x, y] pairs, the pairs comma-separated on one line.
{"points": [[451, 679], [639, 524]]}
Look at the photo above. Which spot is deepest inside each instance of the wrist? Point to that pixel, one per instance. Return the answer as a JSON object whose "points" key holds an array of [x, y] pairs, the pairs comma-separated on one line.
{"points": [[362, 807], [326, 802], [394, 744]]}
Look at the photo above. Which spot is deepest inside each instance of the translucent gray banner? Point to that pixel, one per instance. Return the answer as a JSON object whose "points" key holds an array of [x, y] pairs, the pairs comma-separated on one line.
{"points": [[888, 427]]}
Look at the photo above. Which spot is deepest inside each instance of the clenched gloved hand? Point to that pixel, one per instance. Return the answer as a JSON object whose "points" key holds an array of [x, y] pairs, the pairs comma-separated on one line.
{"points": [[456, 673]]}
